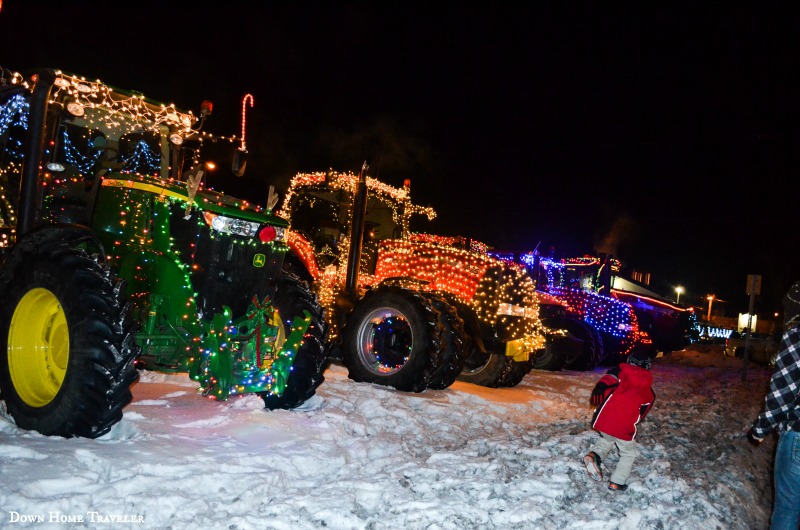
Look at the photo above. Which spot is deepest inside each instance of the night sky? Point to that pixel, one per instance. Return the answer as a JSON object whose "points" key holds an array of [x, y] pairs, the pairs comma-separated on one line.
{"points": [[667, 136]]}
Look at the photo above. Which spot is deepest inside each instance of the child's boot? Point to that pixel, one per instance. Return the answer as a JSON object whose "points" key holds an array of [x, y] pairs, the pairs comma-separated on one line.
{"points": [[593, 464]]}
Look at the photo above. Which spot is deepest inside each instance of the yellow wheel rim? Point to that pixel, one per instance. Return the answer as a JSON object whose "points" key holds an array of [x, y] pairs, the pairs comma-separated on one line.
{"points": [[38, 347], [281, 337], [276, 344]]}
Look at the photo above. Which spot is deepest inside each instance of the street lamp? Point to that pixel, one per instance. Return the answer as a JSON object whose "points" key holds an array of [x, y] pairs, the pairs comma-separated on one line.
{"points": [[710, 299], [678, 290]]}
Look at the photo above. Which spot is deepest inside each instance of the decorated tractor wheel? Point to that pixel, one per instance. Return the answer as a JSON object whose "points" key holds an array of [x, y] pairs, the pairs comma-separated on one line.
{"points": [[392, 338], [553, 356], [481, 366], [451, 355], [492, 370], [586, 357], [69, 352], [292, 299]]}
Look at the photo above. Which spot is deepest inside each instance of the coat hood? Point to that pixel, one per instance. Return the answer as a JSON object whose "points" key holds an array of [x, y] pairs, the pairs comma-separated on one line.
{"points": [[636, 375]]}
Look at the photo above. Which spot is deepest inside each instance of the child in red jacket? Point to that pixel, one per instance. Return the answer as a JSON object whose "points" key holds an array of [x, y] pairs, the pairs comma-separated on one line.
{"points": [[623, 397]]}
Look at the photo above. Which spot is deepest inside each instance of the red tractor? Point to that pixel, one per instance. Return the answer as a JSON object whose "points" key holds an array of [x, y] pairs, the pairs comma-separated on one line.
{"points": [[407, 310]]}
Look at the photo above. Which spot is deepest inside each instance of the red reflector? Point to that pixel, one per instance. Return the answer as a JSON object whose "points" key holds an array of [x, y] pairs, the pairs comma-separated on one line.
{"points": [[267, 234]]}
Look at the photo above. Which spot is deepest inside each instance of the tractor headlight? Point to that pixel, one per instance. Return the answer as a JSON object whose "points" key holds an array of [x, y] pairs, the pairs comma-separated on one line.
{"points": [[230, 225], [517, 310]]}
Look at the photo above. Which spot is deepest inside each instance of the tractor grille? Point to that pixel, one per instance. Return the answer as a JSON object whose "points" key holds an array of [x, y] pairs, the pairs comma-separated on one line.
{"points": [[227, 270]]}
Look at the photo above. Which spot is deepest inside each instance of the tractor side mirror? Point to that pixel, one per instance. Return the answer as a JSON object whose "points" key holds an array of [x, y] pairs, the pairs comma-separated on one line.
{"points": [[239, 162]]}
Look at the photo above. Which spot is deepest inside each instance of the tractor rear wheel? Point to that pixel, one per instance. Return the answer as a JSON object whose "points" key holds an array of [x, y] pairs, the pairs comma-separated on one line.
{"points": [[310, 362], [67, 362], [392, 338]]}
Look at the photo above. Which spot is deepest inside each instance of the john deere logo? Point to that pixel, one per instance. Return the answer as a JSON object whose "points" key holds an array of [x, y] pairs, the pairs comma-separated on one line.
{"points": [[259, 260]]}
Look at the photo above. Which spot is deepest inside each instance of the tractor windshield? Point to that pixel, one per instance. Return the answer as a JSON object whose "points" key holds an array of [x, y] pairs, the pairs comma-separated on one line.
{"points": [[323, 216], [98, 140]]}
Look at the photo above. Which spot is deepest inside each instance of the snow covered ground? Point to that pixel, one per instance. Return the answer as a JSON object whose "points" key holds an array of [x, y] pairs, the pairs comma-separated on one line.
{"points": [[359, 456]]}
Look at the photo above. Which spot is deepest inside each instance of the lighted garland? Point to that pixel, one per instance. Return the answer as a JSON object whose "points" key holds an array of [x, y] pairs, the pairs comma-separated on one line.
{"points": [[14, 112], [75, 158], [142, 160], [120, 108], [249, 355]]}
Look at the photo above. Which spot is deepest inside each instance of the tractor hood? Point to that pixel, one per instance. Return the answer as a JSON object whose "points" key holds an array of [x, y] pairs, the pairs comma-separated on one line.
{"points": [[201, 199]]}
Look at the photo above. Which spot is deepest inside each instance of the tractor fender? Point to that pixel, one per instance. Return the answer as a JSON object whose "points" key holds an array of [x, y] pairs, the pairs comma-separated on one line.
{"points": [[46, 237]]}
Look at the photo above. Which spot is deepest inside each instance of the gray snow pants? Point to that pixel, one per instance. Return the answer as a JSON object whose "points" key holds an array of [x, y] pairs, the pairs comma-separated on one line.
{"points": [[628, 451]]}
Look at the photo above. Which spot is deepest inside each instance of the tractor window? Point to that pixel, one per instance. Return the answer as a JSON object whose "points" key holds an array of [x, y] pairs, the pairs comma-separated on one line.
{"points": [[79, 149], [379, 223], [6, 213], [13, 128], [140, 153], [317, 219]]}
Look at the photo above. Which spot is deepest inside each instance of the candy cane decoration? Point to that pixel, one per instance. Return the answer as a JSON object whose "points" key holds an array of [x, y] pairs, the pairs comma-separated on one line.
{"points": [[244, 105]]}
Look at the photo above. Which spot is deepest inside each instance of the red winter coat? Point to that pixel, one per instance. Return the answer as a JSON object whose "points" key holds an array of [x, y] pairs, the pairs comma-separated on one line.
{"points": [[625, 404]]}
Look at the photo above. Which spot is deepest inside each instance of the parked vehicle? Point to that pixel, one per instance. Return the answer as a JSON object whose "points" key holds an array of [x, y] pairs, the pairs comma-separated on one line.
{"points": [[106, 226], [407, 310], [763, 347]]}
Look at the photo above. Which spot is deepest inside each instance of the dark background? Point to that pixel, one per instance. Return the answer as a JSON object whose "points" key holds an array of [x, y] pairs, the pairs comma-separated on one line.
{"points": [[664, 135]]}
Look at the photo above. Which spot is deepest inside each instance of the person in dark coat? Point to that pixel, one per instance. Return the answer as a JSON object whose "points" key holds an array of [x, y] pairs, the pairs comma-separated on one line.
{"points": [[623, 397], [781, 414]]}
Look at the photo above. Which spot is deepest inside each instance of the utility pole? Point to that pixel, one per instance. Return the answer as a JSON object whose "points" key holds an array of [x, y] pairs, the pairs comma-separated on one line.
{"points": [[710, 299], [753, 288]]}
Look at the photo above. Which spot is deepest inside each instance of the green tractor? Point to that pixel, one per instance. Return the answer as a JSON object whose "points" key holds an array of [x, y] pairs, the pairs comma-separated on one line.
{"points": [[116, 257]]}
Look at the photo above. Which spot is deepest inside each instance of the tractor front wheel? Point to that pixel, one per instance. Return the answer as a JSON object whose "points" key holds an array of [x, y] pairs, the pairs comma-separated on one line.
{"points": [[454, 340], [292, 298], [493, 370], [586, 358]]}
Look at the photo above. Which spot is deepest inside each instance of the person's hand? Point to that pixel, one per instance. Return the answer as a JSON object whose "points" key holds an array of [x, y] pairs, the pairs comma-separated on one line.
{"points": [[754, 441], [598, 393]]}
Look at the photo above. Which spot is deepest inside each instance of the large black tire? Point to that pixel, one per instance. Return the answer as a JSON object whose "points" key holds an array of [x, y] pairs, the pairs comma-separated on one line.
{"points": [[612, 350], [293, 264], [493, 370], [392, 338], [481, 366], [588, 356], [450, 360], [552, 357], [69, 350], [519, 369], [292, 297]]}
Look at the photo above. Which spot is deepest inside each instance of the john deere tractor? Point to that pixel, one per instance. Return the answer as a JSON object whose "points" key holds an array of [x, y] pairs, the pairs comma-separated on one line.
{"points": [[406, 309], [116, 256]]}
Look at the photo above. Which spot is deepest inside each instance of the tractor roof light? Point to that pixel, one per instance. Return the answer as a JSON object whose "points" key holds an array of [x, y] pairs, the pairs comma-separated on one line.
{"points": [[76, 109]]}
